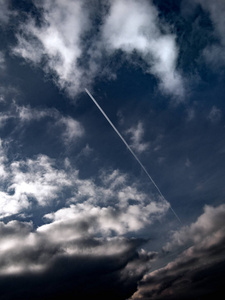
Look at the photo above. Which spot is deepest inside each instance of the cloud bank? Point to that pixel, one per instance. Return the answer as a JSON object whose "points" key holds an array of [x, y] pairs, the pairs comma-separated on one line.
{"points": [[198, 272]]}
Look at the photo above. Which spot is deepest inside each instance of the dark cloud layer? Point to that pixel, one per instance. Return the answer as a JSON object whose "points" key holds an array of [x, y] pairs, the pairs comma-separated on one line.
{"points": [[35, 266], [197, 273]]}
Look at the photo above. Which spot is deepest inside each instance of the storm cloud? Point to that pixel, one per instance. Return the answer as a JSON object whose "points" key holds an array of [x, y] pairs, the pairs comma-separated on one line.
{"points": [[197, 273]]}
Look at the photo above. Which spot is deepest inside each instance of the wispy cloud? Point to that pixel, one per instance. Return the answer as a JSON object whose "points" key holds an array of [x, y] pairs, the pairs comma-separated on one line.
{"points": [[136, 136], [57, 41], [69, 129], [214, 52], [215, 114], [5, 12]]}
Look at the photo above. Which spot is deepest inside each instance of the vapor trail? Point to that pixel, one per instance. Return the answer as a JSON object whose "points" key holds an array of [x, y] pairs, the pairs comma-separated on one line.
{"points": [[131, 151]]}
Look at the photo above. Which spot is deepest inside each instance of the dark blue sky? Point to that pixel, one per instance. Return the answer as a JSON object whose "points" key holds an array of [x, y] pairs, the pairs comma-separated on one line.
{"points": [[78, 214]]}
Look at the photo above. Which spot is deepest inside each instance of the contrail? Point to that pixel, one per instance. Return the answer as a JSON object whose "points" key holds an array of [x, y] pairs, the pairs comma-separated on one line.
{"points": [[131, 151]]}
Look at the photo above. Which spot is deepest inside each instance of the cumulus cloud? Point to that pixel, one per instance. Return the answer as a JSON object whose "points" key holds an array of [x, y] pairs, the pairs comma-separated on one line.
{"points": [[104, 220], [134, 26], [136, 136], [198, 272], [113, 205], [60, 43], [67, 266], [35, 179]]}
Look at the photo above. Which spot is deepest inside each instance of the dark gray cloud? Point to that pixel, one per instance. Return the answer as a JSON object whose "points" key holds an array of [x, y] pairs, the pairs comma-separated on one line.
{"points": [[197, 273], [40, 266]]}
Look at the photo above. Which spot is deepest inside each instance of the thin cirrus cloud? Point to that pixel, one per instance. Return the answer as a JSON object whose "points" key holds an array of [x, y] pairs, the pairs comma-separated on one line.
{"points": [[133, 26]]}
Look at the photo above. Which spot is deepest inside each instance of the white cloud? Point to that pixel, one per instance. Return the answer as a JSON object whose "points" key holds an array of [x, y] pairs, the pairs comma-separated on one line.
{"points": [[36, 179], [57, 41], [86, 219], [111, 205], [208, 228], [70, 129], [73, 129], [131, 25], [26, 113], [134, 25], [136, 136]]}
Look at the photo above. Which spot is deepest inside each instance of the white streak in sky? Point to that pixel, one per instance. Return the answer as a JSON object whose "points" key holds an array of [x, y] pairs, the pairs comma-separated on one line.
{"points": [[131, 151]]}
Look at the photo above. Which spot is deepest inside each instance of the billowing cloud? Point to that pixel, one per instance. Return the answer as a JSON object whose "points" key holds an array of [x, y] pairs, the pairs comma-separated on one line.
{"points": [[128, 26], [64, 266], [198, 272], [35, 179]]}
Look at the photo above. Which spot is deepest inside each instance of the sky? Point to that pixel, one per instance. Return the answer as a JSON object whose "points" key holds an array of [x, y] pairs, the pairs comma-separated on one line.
{"points": [[79, 218]]}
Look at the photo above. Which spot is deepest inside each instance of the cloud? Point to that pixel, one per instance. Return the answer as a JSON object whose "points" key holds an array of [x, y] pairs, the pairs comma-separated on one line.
{"points": [[215, 114], [66, 45], [24, 180], [69, 128], [136, 136], [134, 26], [2, 61], [57, 42], [5, 12], [113, 205], [39, 265], [198, 272], [104, 220], [214, 53], [73, 129]]}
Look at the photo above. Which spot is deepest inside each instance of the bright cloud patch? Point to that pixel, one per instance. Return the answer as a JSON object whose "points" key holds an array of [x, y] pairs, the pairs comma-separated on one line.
{"points": [[58, 39], [134, 26], [129, 26]]}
